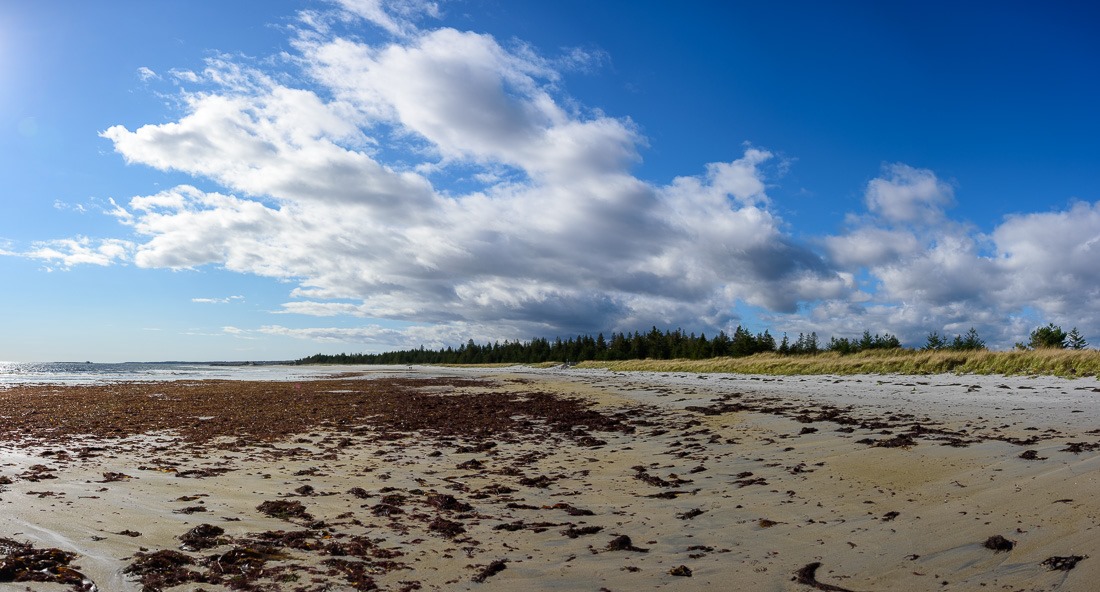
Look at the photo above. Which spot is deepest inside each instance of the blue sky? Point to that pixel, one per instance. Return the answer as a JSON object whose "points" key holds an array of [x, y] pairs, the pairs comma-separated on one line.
{"points": [[211, 180]]}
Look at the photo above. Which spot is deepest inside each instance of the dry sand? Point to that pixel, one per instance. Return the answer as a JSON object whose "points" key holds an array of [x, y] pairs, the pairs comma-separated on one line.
{"points": [[478, 481]]}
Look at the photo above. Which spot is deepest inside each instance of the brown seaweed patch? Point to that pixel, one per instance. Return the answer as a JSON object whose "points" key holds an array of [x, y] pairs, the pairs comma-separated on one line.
{"points": [[355, 572], [386, 510], [264, 412], [682, 570], [998, 543], [1079, 447], [570, 509], [202, 473], [203, 536], [490, 570], [574, 532], [692, 513], [898, 441], [673, 480], [753, 481], [542, 481], [37, 473], [447, 502], [163, 569], [21, 562], [284, 509], [623, 543], [248, 561], [447, 528], [807, 575], [304, 540], [1062, 563], [471, 465]]}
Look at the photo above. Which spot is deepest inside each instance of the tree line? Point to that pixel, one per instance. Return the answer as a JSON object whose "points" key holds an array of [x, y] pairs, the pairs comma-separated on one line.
{"points": [[666, 345], [654, 344]]}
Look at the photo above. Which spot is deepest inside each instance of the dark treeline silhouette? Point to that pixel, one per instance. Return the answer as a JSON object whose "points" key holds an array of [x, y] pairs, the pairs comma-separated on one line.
{"points": [[655, 344], [970, 341], [1053, 337]]}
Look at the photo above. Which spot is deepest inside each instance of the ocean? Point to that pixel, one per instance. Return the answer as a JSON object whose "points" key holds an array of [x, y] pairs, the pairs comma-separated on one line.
{"points": [[83, 373]]}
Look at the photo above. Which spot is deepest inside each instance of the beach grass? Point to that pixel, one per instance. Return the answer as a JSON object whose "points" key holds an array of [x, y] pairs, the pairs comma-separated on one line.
{"points": [[1052, 362]]}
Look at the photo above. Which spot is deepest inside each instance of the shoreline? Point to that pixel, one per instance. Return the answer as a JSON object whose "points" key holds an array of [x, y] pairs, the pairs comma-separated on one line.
{"points": [[884, 482]]}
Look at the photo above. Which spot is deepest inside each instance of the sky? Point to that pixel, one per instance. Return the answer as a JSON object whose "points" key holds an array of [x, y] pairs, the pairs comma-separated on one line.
{"points": [[201, 180]]}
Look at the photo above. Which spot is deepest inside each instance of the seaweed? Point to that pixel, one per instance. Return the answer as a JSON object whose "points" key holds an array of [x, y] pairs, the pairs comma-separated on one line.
{"points": [[1062, 563], [203, 536], [998, 543], [807, 575], [490, 570], [623, 543], [447, 528], [284, 509], [21, 562], [681, 570], [163, 569]]}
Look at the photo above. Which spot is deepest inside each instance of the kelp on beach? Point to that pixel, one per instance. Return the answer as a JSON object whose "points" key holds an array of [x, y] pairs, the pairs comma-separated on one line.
{"points": [[322, 421], [201, 411]]}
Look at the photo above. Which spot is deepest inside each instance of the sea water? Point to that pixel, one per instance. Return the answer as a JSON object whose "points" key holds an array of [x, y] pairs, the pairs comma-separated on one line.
{"points": [[82, 373]]}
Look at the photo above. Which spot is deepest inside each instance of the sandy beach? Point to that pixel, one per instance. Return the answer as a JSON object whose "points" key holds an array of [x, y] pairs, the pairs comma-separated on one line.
{"points": [[559, 479]]}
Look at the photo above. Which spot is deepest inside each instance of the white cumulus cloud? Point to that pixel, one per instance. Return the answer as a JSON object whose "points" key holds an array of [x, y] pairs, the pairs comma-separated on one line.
{"points": [[332, 186], [922, 271], [146, 74], [908, 194], [81, 250]]}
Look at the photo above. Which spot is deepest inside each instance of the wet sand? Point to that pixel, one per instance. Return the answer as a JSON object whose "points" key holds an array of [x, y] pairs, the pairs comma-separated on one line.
{"points": [[462, 479]]}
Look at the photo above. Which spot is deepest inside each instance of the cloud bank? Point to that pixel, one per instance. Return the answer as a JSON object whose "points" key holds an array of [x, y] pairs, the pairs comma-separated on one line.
{"points": [[445, 181]]}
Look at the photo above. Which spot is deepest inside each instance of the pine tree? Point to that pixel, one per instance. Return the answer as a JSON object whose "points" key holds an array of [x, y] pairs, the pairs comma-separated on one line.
{"points": [[971, 341], [1075, 341], [765, 342], [934, 342], [1051, 336]]}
